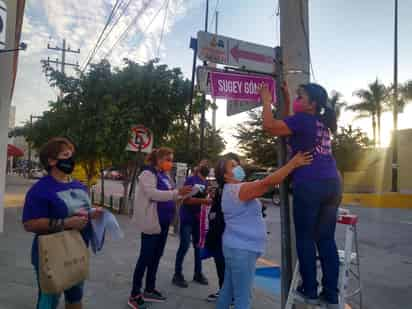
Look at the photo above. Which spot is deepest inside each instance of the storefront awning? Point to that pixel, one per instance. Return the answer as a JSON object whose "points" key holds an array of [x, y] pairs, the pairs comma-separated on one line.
{"points": [[13, 151]]}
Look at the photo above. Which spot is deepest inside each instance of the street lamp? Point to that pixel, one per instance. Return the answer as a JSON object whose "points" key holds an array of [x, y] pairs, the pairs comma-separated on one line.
{"points": [[395, 106], [22, 46]]}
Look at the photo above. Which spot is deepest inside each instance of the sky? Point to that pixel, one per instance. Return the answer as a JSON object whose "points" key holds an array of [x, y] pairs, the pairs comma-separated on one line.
{"points": [[351, 44]]}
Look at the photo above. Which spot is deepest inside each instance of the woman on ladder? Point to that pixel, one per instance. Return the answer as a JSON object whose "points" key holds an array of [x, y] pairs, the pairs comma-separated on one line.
{"points": [[316, 187]]}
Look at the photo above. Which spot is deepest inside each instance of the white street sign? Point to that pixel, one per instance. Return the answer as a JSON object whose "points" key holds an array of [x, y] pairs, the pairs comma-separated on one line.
{"points": [[142, 136], [3, 24], [237, 107], [203, 80], [228, 51]]}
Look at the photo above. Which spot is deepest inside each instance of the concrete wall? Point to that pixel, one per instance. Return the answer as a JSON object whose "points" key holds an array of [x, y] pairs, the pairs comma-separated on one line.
{"points": [[374, 174], [7, 75]]}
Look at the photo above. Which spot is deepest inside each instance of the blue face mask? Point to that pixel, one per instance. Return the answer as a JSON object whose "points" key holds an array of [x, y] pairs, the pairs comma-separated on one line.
{"points": [[239, 173]]}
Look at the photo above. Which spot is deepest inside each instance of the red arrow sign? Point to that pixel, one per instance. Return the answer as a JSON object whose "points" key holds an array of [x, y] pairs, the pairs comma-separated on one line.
{"points": [[239, 53]]}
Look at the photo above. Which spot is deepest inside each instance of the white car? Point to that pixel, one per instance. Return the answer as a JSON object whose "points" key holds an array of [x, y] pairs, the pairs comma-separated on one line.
{"points": [[37, 173]]}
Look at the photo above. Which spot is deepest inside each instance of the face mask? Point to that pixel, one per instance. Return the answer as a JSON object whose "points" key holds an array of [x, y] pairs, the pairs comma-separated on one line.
{"points": [[298, 106], [66, 165], [204, 171], [239, 173], [167, 166]]}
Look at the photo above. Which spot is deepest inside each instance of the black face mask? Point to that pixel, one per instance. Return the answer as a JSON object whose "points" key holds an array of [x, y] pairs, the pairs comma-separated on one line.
{"points": [[204, 171], [66, 165]]}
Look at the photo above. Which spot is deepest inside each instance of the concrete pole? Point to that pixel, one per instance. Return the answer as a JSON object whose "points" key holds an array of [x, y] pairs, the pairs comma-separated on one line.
{"points": [[294, 40]]}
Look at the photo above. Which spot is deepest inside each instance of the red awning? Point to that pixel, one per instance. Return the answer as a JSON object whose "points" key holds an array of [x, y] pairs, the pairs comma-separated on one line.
{"points": [[13, 151]]}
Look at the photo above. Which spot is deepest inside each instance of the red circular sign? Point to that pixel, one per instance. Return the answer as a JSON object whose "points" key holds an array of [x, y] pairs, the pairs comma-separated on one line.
{"points": [[141, 136]]}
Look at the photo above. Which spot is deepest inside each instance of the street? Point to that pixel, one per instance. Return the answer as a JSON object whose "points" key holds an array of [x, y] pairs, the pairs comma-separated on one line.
{"points": [[385, 251]]}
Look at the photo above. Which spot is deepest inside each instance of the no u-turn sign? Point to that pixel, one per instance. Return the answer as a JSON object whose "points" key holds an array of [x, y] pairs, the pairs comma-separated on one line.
{"points": [[141, 138]]}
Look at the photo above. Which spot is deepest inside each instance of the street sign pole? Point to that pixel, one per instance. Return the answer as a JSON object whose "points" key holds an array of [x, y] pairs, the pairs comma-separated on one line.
{"points": [[286, 273], [135, 171], [193, 46], [203, 111]]}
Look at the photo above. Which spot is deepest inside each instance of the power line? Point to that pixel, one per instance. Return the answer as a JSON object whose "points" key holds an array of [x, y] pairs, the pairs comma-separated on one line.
{"points": [[109, 19], [114, 24], [124, 34], [305, 33], [214, 15], [163, 29]]}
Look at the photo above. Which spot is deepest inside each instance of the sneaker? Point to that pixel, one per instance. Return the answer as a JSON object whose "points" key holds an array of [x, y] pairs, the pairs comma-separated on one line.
{"points": [[180, 281], [302, 298], [325, 302], [137, 302], [201, 279], [154, 297], [213, 297]]}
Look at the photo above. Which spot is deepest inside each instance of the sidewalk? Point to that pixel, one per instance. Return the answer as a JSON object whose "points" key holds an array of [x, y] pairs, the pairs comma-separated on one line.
{"points": [[111, 271]]}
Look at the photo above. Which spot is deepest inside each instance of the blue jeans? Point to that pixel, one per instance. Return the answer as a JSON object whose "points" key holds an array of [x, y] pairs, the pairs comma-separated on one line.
{"points": [[240, 266], [315, 207], [188, 231], [151, 251]]}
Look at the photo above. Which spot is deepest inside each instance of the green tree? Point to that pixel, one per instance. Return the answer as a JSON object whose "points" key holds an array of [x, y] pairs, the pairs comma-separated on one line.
{"points": [[255, 143], [372, 105], [348, 146], [335, 100]]}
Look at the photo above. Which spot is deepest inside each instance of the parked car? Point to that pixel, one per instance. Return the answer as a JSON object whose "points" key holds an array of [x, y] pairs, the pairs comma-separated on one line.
{"points": [[37, 173], [272, 194]]}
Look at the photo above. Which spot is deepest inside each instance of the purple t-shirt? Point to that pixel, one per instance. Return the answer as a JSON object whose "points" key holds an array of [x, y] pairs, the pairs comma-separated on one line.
{"points": [[191, 213], [49, 198], [165, 210], [309, 134]]}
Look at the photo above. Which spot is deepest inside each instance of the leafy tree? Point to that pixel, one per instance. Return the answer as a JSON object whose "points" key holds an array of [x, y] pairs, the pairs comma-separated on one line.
{"points": [[348, 145], [256, 144], [335, 100], [372, 105]]}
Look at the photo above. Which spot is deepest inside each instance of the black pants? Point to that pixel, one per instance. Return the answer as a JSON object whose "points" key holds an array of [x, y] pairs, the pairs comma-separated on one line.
{"points": [[220, 265], [151, 251]]}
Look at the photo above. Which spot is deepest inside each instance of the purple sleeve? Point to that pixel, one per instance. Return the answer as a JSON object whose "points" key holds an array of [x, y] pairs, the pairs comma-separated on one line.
{"points": [[35, 207], [296, 123], [190, 181]]}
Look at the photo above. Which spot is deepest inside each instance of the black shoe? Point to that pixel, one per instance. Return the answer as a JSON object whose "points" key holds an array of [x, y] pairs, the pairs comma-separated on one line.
{"points": [[301, 297], [180, 281], [137, 302], [201, 279], [154, 297], [212, 298], [327, 303]]}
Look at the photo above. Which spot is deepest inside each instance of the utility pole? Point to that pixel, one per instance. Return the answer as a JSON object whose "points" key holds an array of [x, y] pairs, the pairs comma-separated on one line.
{"points": [[29, 166], [214, 100], [203, 111], [63, 50], [395, 106], [295, 53]]}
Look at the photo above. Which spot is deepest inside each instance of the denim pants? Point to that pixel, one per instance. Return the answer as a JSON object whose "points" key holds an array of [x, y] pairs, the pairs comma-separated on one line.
{"points": [[240, 266], [151, 251], [315, 207], [188, 231]]}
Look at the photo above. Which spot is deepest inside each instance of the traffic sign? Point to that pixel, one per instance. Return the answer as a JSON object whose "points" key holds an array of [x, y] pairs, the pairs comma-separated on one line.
{"points": [[141, 139], [232, 52], [239, 87], [3, 23], [237, 107]]}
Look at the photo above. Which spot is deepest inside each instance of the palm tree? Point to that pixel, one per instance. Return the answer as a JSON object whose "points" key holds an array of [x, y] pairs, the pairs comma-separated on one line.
{"points": [[336, 103], [372, 105]]}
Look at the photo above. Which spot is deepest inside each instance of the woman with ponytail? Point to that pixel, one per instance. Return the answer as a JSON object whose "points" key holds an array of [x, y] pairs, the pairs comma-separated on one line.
{"points": [[316, 187], [154, 209]]}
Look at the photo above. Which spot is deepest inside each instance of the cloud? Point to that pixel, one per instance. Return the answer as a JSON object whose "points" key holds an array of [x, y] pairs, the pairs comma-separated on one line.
{"points": [[80, 22]]}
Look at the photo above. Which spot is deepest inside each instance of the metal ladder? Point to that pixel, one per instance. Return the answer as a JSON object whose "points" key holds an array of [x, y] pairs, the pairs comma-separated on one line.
{"points": [[349, 268]]}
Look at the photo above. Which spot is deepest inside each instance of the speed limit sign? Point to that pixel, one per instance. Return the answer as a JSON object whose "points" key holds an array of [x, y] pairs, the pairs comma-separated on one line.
{"points": [[3, 23]]}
